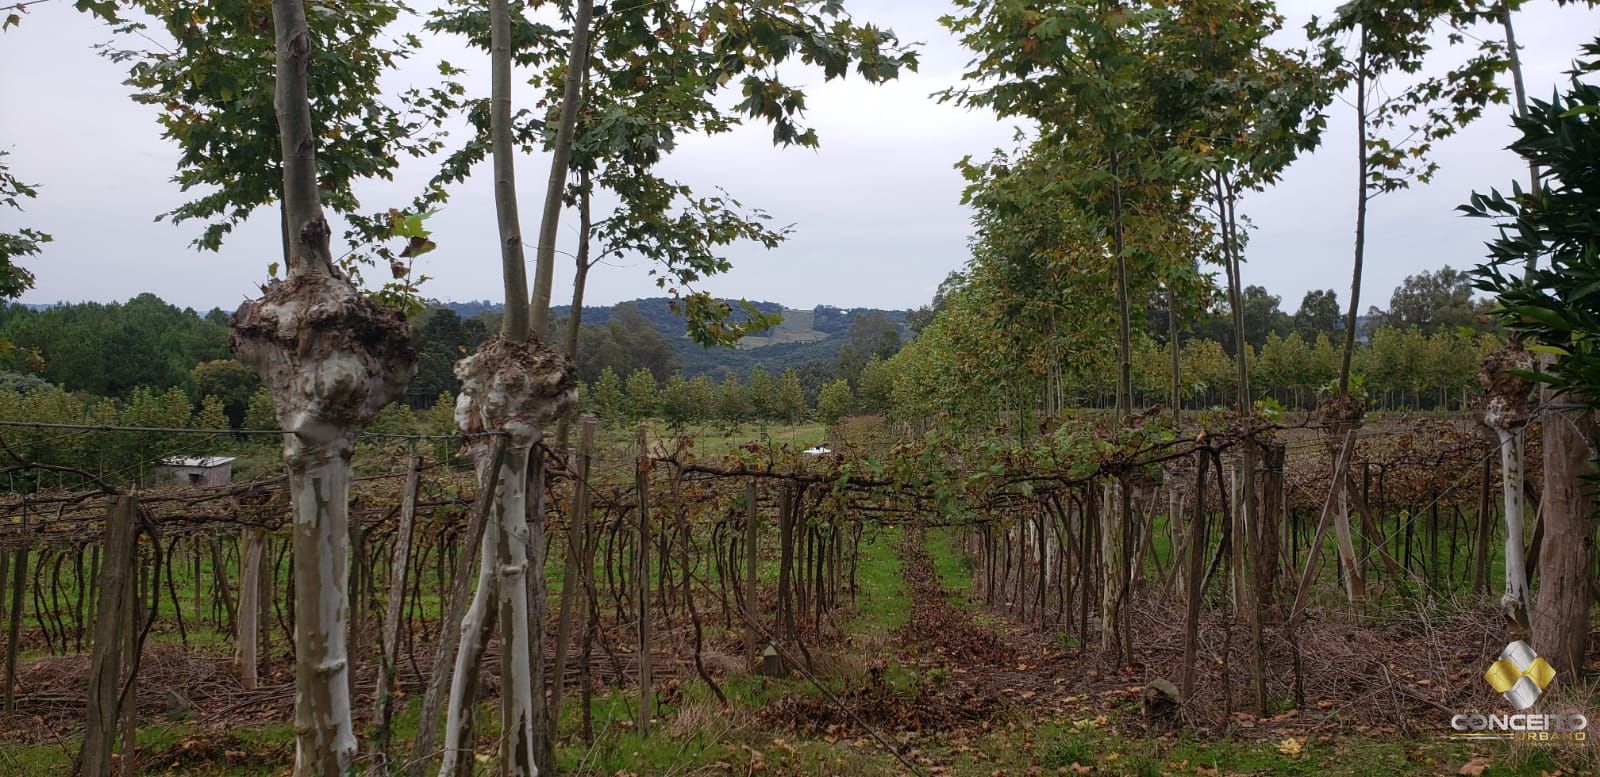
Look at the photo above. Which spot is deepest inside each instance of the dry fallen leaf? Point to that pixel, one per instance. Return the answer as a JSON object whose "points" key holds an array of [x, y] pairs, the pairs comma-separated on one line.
{"points": [[1291, 747], [1474, 767]]}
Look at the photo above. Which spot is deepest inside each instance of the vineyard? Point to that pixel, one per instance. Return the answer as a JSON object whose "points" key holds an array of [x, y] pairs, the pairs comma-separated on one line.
{"points": [[1099, 507], [765, 587]]}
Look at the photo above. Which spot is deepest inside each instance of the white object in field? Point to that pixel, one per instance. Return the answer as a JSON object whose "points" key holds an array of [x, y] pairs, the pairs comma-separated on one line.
{"points": [[196, 471], [817, 450]]}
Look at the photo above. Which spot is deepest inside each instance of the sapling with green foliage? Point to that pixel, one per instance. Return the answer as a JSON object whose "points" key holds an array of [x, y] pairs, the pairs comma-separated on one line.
{"points": [[834, 401]]}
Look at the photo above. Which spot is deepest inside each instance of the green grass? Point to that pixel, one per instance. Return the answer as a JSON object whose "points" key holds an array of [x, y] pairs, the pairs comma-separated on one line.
{"points": [[951, 564], [712, 441], [882, 602]]}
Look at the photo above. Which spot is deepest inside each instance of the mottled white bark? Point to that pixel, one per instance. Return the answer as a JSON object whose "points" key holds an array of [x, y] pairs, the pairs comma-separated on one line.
{"points": [[475, 630], [331, 359], [512, 388], [1354, 585], [1515, 601], [1507, 409], [325, 736], [511, 586]]}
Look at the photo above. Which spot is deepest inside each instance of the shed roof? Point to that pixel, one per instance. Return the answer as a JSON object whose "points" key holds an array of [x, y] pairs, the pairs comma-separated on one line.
{"points": [[197, 461]]}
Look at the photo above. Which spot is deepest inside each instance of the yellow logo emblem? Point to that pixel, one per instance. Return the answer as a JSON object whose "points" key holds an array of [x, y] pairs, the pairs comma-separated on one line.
{"points": [[1520, 675]]}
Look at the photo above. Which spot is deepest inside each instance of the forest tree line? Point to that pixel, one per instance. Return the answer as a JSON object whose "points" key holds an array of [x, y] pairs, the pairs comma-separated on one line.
{"points": [[147, 363]]}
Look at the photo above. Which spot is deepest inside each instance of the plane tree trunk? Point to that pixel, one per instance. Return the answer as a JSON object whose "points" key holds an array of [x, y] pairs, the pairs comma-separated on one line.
{"points": [[1507, 408], [332, 359], [512, 385], [514, 388]]}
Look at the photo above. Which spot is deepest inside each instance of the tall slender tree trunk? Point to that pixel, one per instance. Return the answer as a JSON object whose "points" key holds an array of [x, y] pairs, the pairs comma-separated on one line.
{"points": [[1124, 307], [1343, 413], [1520, 91], [1362, 198], [331, 359], [560, 157], [580, 282], [1172, 345], [510, 386], [1245, 507]]}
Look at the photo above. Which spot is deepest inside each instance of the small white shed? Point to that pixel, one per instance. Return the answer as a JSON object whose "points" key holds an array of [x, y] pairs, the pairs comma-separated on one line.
{"points": [[197, 471]]}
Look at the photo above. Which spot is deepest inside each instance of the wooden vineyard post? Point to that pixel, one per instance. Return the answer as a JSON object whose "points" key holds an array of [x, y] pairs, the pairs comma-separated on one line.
{"points": [[219, 571], [783, 626], [642, 485], [112, 617], [1175, 504], [750, 560], [19, 579], [265, 587], [422, 751], [576, 527], [132, 617], [247, 633], [1480, 563], [1272, 523], [1566, 566], [1192, 589], [590, 546], [383, 701]]}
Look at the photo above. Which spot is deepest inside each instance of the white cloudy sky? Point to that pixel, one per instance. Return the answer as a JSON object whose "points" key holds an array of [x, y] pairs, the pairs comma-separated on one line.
{"points": [[876, 210]]}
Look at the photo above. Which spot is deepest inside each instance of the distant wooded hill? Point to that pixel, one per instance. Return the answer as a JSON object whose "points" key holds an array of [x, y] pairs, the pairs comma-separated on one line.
{"points": [[814, 335]]}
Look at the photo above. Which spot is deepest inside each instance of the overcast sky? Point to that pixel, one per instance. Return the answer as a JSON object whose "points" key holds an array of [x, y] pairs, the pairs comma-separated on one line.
{"points": [[876, 209]]}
